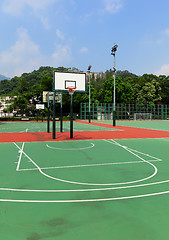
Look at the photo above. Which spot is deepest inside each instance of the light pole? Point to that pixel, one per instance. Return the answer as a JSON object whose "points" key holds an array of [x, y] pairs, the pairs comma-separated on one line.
{"points": [[113, 50], [89, 67]]}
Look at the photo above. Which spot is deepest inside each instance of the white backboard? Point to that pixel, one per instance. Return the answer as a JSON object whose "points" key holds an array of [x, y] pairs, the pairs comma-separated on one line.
{"points": [[63, 80], [40, 106], [45, 98]]}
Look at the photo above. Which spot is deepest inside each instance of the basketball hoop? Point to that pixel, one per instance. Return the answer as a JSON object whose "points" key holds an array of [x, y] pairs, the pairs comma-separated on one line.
{"points": [[71, 90]]}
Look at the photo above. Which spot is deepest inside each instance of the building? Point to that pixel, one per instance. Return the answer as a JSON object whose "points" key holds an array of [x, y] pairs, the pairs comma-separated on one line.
{"points": [[95, 75], [5, 102]]}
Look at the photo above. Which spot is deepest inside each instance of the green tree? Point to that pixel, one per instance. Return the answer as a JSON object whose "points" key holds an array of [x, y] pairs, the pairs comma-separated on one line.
{"points": [[124, 91], [20, 104], [150, 93], [164, 84], [46, 83]]}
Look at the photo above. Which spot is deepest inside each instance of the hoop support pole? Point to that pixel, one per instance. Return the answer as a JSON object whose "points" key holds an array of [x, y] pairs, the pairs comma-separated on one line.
{"points": [[71, 116]]}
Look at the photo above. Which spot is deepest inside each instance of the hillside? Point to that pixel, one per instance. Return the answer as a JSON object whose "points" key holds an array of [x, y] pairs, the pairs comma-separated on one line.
{"points": [[2, 77], [28, 81]]}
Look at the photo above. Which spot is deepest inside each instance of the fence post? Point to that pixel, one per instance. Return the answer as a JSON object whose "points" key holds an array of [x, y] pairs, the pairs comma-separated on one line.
{"points": [[162, 112], [166, 108], [85, 111], [97, 110]]}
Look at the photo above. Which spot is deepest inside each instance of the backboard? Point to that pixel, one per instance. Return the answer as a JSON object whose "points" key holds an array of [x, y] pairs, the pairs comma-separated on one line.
{"points": [[64, 80], [40, 106], [57, 97]]}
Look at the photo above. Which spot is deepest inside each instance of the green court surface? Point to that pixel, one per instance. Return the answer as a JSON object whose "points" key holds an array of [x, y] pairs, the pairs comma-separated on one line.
{"points": [[97, 189], [154, 124], [42, 127]]}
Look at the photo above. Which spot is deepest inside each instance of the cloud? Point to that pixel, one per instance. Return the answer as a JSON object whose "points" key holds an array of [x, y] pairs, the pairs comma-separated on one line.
{"points": [[166, 32], [61, 54], [59, 34], [112, 6], [83, 50], [17, 7], [164, 70], [25, 56], [21, 56]]}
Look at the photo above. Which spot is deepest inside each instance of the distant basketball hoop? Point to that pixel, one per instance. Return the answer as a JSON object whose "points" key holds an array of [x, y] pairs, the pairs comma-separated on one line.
{"points": [[40, 106]]}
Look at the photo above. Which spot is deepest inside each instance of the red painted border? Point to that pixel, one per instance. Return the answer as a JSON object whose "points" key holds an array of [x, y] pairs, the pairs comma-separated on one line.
{"points": [[125, 133]]}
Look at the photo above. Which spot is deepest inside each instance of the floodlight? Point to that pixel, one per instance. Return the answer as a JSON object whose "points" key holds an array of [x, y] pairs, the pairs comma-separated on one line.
{"points": [[114, 49], [89, 67]]}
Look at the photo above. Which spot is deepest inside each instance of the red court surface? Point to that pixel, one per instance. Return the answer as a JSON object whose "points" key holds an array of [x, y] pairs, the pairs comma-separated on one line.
{"points": [[125, 133]]}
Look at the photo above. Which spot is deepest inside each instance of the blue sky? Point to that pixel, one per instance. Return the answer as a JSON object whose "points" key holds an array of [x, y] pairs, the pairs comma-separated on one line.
{"points": [[76, 33]]}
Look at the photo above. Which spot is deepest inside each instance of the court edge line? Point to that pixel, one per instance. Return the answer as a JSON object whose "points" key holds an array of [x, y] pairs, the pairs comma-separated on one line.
{"points": [[85, 200]]}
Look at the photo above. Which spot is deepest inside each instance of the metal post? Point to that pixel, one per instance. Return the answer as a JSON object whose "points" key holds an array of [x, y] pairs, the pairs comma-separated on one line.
{"points": [[54, 125], [48, 123], [114, 49], [114, 96], [37, 112], [71, 116], [89, 93], [61, 115]]}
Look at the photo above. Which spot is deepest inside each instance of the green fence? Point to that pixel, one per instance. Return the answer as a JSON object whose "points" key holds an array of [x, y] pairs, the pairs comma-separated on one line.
{"points": [[103, 111]]}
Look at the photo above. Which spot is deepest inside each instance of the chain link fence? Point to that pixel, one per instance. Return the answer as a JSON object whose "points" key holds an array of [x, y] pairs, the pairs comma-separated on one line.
{"points": [[104, 111]]}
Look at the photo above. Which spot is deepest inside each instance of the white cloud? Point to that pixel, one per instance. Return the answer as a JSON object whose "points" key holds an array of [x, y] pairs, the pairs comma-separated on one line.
{"points": [[44, 21], [17, 7], [112, 6], [59, 34], [22, 56], [166, 32], [61, 54], [83, 50], [25, 56], [164, 70]]}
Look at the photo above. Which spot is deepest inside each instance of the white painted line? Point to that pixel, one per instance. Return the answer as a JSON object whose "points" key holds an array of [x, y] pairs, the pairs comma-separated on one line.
{"points": [[92, 184], [93, 145], [87, 165], [20, 156], [127, 149], [133, 150], [85, 200]]}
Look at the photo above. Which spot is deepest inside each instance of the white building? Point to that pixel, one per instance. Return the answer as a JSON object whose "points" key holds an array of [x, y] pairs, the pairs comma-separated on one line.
{"points": [[4, 103]]}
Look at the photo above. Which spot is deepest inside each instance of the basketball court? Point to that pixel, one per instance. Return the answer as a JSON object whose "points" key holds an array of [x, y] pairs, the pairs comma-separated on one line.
{"points": [[104, 183], [85, 188]]}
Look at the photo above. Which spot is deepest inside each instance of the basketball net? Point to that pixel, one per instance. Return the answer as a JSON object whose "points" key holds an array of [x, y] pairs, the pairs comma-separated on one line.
{"points": [[71, 90]]}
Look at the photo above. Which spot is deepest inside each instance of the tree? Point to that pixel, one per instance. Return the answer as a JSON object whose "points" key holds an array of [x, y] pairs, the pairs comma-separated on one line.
{"points": [[22, 86], [125, 74], [124, 91], [164, 84], [46, 83], [150, 93], [20, 104]]}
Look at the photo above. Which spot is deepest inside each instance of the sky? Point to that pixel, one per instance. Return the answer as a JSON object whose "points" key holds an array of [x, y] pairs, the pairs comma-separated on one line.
{"points": [[76, 33]]}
